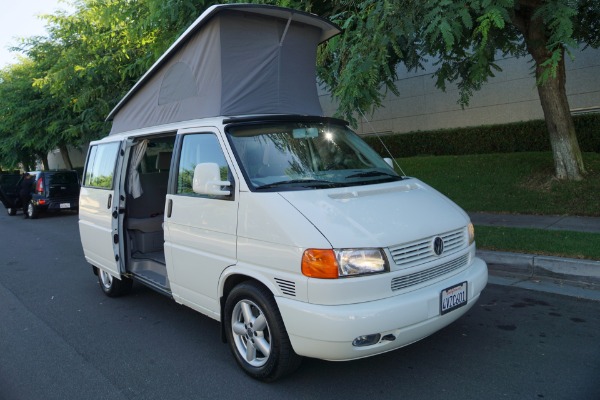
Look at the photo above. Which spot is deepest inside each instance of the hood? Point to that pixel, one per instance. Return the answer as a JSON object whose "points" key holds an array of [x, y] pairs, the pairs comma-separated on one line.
{"points": [[378, 215]]}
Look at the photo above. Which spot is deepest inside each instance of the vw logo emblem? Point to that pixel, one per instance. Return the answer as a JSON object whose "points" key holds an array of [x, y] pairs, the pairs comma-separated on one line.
{"points": [[438, 246]]}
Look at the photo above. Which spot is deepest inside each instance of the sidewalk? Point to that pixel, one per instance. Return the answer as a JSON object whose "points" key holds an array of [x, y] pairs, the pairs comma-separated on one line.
{"points": [[530, 265]]}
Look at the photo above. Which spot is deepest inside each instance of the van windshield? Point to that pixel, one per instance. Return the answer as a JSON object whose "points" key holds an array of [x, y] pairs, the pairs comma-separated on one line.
{"points": [[297, 156]]}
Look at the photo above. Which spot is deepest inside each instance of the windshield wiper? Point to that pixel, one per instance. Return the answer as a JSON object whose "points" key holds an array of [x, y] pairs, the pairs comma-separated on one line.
{"points": [[372, 174], [304, 182]]}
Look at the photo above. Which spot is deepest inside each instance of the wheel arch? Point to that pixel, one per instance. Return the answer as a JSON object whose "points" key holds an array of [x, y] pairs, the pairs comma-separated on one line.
{"points": [[231, 280]]}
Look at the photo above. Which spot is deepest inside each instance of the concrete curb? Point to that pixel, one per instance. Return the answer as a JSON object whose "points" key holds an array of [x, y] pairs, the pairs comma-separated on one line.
{"points": [[531, 265]]}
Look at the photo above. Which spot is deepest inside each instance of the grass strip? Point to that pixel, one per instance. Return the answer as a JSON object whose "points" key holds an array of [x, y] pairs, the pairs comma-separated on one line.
{"points": [[569, 244], [515, 183]]}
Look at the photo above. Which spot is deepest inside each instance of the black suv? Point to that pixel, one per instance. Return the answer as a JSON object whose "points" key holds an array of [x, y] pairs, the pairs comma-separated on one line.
{"points": [[51, 191]]}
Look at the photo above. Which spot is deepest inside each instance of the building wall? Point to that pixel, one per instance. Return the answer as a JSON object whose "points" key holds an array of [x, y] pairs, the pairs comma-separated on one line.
{"points": [[510, 96], [77, 155]]}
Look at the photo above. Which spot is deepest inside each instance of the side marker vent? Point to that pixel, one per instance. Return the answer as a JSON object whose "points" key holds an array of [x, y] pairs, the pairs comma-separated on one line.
{"points": [[287, 287]]}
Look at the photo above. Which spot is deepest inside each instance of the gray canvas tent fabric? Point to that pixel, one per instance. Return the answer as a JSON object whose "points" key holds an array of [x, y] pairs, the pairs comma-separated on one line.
{"points": [[234, 60]]}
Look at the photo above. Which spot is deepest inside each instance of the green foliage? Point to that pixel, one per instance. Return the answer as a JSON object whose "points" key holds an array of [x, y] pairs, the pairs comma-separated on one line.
{"points": [[101, 182], [24, 115], [505, 138], [465, 37], [74, 76], [360, 66], [587, 29], [558, 17], [102, 53]]}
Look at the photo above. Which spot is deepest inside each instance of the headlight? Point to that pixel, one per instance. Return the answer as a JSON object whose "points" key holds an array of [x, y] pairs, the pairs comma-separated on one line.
{"points": [[362, 261], [331, 264], [471, 230]]}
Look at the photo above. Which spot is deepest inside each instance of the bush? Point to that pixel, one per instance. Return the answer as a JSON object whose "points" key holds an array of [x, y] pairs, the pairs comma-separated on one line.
{"points": [[506, 138]]}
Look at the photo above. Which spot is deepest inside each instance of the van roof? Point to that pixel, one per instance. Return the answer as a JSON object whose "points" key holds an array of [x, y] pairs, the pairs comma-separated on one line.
{"points": [[234, 59]]}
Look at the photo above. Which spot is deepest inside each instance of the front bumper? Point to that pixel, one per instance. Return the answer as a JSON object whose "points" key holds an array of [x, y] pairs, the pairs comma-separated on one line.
{"points": [[327, 332]]}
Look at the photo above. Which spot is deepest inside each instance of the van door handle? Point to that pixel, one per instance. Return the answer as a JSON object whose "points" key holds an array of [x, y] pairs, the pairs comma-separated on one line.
{"points": [[109, 201], [169, 208]]}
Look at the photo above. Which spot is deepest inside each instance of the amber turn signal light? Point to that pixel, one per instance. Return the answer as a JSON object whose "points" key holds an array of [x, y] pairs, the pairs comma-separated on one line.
{"points": [[320, 263]]}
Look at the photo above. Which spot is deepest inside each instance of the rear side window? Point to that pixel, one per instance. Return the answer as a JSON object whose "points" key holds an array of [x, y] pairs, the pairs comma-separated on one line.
{"points": [[100, 167], [62, 178]]}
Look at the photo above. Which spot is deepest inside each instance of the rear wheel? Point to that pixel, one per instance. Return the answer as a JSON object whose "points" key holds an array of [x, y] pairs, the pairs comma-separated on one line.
{"points": [[256, 334], [32, 211], [112, 286], [11, 211]]}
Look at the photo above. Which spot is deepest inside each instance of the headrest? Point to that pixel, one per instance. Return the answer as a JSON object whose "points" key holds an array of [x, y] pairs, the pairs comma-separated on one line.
{"points": [[163, 160]]}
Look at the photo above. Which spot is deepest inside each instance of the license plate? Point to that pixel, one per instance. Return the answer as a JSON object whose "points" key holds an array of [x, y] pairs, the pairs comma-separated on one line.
{"points": [[65, 205], [453, 298]]}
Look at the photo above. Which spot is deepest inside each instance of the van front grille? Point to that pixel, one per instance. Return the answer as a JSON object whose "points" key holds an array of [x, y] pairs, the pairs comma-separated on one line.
{"points": [[421, 251], [416, 278]]}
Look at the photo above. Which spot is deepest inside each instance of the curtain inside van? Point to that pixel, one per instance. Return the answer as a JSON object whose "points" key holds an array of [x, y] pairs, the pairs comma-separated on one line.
{"points": [[135, 186]]}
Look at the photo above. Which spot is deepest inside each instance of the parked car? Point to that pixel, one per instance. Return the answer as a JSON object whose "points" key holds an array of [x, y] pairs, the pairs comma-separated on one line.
{"points": [[9, 192], [54, 191]]}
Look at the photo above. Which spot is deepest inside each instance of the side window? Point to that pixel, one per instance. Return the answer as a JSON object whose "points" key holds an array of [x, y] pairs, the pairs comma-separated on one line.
{"points": [[197, 149], [100, 168]]}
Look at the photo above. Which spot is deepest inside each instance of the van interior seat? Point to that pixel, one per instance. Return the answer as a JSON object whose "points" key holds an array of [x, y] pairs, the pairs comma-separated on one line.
{"points": [[151, 224], [163, 161], [145, 214]]}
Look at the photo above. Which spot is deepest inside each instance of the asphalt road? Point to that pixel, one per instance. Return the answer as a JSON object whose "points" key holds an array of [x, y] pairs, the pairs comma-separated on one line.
{"points": [[61, 338]]}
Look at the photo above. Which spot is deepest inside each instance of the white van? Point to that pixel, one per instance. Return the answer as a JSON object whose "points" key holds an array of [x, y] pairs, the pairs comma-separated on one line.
{"points": [[286, 228]]}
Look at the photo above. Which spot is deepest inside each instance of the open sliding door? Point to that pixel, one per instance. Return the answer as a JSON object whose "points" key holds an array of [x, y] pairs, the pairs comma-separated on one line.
{"points": [[101, 206]]}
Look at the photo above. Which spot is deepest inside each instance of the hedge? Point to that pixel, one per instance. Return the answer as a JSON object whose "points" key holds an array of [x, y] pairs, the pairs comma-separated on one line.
{"points": [[505, 138]]}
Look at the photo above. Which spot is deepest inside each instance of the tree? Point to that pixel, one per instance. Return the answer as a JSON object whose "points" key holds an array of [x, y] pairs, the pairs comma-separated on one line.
{"points": [[465, 37], [60, 94], [99, 56], [105, 46], [24, 115]]}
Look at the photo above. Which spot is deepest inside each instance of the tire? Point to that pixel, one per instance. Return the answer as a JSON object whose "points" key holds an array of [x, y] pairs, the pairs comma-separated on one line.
{"points": [[113, 287], [11, 211], [32, 211], [256, 334]]}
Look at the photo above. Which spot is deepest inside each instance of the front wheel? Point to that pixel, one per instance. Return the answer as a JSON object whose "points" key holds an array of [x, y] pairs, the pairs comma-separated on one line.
{"points": [[256, 334], [112, 286]]}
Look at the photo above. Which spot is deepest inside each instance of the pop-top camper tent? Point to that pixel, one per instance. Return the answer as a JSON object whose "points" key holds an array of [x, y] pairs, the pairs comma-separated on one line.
{"points": [[238, 59]]}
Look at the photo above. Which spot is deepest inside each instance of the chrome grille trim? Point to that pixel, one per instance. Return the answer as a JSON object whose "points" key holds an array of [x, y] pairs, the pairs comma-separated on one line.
{"points": [[421, 251], [287, 287], [402, 282]]}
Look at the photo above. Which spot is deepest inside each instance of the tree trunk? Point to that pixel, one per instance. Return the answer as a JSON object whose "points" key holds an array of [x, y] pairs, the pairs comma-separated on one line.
{"points": [[64, 152], [568, 162], [45, 163]]}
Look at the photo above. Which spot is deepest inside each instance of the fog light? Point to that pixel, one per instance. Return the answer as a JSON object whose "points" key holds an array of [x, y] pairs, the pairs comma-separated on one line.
{"points": [[366, 340]]}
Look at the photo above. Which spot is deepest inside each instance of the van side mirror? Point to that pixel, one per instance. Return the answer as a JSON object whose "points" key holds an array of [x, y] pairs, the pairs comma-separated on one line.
{"points": [[389, 162], [207, 180]]}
